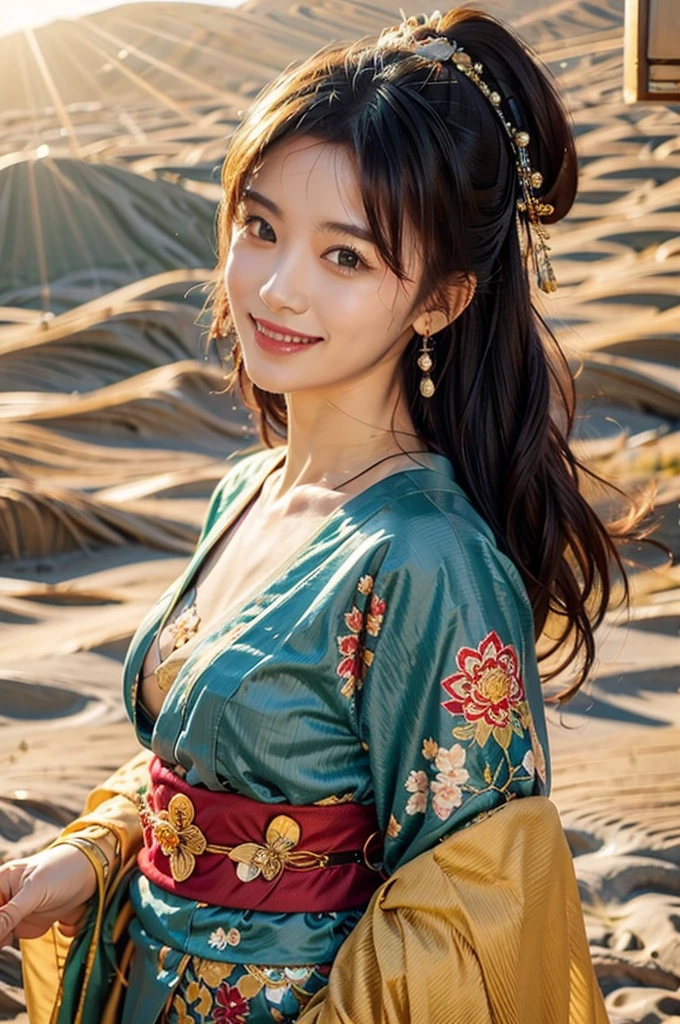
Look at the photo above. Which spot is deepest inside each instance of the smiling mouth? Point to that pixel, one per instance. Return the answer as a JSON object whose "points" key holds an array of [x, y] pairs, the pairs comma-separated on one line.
{"points": [[293, 339]]}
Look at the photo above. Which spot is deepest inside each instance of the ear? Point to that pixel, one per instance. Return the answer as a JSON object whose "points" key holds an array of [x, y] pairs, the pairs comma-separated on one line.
{"points": [[459, 296]]}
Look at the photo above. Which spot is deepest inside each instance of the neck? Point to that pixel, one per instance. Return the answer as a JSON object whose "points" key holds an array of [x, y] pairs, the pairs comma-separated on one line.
{"points": [[330, 440]]}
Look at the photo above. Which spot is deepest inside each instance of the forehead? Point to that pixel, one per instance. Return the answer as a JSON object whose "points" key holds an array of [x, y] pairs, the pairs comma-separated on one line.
{"points": [[307, 174], [314, 179]]}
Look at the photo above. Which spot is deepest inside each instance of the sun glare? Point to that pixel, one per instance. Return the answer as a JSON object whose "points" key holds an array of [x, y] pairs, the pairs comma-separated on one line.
{"points": [[33, 13]]}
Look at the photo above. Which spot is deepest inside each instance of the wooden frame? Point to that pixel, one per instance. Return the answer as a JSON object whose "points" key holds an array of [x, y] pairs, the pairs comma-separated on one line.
{"points": [[651, 53]]}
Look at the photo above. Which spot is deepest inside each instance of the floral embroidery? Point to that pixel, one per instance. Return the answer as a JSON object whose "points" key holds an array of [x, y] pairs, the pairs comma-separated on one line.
{"points": [[184, 626], [219, 939], [376, 614], [230, 1006], [356, 657], [430, 748], [451, 775], [177, 837], [418, 784], [213, 972], [227, 993], [332, 801], [393, 828], [539, 756], [445, 790], [488, 692], [365, 584]]}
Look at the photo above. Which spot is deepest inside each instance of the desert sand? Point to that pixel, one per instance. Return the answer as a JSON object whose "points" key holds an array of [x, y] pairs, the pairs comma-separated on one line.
{"points": [[114, 431]]}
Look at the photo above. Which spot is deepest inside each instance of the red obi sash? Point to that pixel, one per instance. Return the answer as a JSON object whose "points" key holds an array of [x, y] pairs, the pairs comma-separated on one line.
{"points": [[231, 851]]}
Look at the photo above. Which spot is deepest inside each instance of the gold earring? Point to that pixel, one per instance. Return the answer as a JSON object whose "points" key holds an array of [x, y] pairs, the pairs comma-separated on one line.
{"points": [[425, 362]]}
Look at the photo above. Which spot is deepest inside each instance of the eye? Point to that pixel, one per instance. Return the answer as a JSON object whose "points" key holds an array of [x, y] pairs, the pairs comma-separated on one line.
{"points": [[253, 218], [357, 261], [350, 261]]}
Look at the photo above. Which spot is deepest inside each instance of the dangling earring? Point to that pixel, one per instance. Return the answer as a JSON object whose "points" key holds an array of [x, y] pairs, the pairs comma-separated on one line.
{"points": [[425, 362]]}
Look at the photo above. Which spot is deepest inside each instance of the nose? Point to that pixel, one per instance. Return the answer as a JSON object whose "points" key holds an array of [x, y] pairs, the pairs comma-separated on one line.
{"points": [[284, 288]]}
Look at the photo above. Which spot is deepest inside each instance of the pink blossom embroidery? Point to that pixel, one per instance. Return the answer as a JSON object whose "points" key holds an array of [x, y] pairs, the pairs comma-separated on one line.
{"points": [[418, 784], [446, 789]]}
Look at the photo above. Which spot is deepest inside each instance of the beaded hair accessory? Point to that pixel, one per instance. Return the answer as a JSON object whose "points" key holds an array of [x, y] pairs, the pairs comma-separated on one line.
{"points": [[438, 48]]}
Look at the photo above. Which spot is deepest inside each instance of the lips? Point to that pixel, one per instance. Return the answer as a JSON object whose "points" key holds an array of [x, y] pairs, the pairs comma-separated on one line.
{"points": [[278, 332]]}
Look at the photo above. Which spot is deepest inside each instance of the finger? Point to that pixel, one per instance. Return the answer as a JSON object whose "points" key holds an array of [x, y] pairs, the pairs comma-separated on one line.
{"points": [[16, 909], [72, 924], [69, 930], [6, 929], [11, 874], [74, 915], [33, 930]]}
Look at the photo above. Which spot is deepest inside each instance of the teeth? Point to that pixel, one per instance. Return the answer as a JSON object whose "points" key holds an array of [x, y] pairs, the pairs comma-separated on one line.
{"points": [[282, 337]]}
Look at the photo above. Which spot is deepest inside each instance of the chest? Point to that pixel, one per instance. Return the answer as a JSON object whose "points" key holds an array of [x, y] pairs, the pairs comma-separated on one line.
{"points": [[265, 705], [250, 551]]}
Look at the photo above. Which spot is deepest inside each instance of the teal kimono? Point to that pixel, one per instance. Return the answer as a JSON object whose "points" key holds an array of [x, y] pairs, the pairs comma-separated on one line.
{"points": [[391, 660]]}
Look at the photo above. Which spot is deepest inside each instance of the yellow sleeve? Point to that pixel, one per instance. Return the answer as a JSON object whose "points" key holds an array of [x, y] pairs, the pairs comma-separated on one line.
{"points": [[486, 926], [112, 805]]}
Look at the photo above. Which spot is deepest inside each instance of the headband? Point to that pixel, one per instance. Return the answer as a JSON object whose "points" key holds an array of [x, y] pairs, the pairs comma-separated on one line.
{"points": [[438, 48]]}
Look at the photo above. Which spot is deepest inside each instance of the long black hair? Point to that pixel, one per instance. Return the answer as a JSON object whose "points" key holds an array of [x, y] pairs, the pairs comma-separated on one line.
{"points": [[430, 151]]}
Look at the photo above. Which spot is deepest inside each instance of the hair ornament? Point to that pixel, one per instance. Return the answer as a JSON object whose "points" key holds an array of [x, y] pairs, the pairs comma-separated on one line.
{"points": [[439, 48]]}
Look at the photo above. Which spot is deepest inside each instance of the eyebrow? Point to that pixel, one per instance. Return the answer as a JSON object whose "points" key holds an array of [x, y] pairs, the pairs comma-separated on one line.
{"points": [[335, 226]]}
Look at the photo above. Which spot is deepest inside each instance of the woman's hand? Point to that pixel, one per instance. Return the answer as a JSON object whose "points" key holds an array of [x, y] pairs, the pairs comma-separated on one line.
{"points": [[50, 886]]}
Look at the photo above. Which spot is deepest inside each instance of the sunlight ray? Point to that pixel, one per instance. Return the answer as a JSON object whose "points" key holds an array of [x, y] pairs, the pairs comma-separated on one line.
{"points": [[203, 87], [53, 91], [182, 109]]}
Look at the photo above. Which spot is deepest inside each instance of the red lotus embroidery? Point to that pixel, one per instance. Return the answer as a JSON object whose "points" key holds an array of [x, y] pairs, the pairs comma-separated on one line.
{"points": [[487, 691], [356, 658], [376, 613], [230, 1006]]}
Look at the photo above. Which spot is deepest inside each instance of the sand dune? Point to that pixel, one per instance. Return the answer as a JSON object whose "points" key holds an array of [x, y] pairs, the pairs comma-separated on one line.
{"points": [[113, 433]]}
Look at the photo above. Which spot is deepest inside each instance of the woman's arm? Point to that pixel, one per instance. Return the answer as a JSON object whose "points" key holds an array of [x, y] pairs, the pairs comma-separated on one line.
{"points": [[451, 713], [486, 927]]}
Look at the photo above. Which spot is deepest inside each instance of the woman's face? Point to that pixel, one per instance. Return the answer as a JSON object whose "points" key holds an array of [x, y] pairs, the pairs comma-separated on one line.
{"points": [[300, 262]]}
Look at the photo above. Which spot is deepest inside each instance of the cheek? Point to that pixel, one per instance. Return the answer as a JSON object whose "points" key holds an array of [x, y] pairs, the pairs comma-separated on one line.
{"points": [[374, 304], [234, 275]]}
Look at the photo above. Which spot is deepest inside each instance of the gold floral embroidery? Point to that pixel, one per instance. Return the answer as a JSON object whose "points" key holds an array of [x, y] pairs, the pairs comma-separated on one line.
{"points": [[331, 801], [393, 828], [178, 838], [212, 972], [181, 629], [184, 626], [282, 835], [277, 853], [365, 584], [430, 748], [452, 778], [223, 993]]}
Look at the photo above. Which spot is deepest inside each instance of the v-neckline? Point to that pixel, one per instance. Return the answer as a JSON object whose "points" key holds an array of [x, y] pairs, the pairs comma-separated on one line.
{"points": [[220, 527]]}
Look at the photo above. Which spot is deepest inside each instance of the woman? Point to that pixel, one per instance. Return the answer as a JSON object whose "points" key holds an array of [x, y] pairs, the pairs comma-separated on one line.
{"points": [[339, 700]]}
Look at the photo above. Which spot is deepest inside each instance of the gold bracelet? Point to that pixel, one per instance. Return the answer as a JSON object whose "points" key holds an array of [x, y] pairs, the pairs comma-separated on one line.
{"points": [[81, 842], [96, 831]]}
